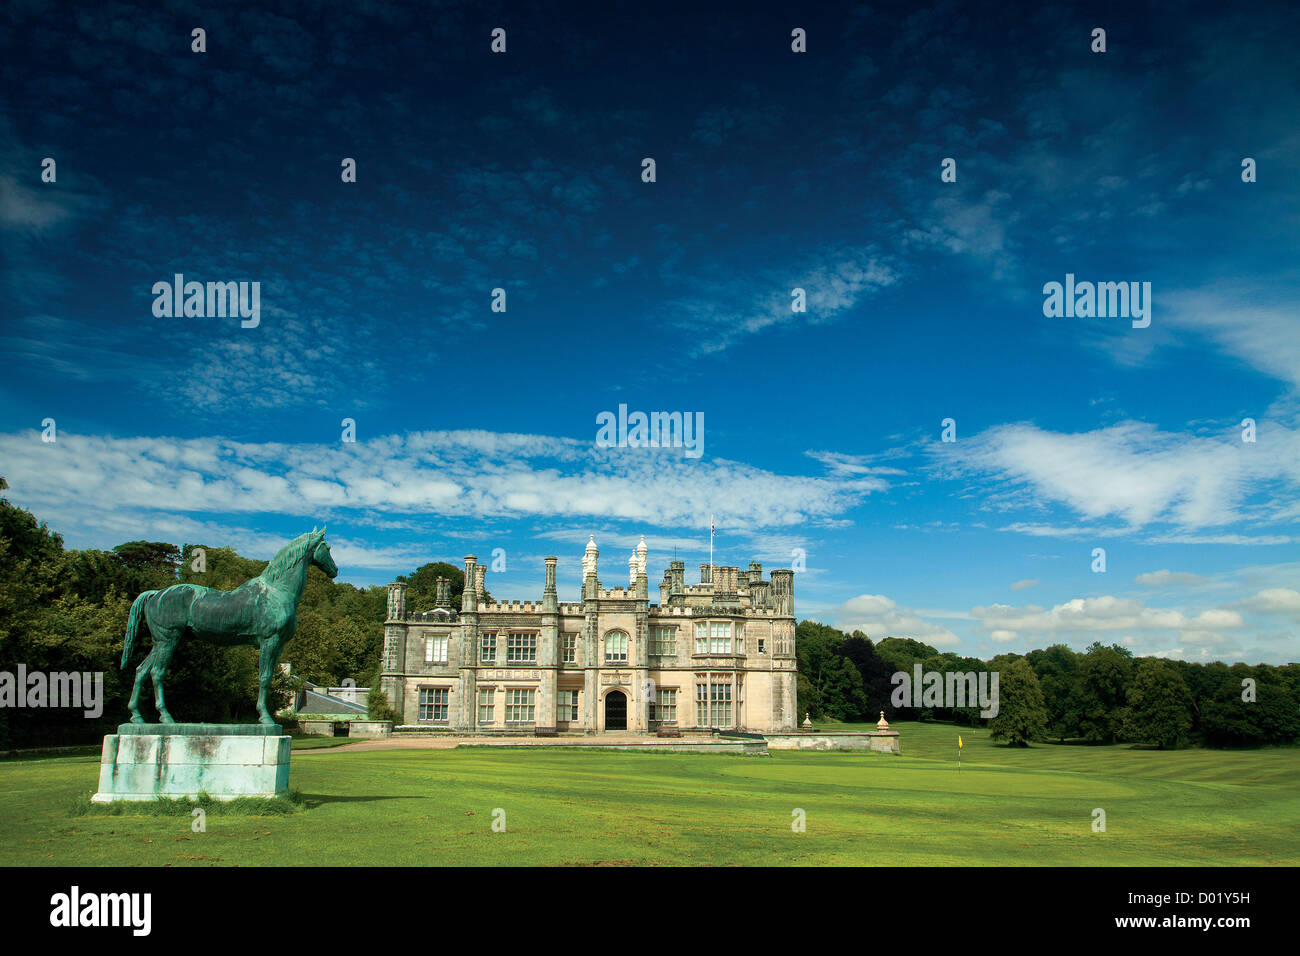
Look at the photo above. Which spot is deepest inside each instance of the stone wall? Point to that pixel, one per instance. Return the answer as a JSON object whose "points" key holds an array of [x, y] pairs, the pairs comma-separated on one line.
{"points": [[881, 742]]}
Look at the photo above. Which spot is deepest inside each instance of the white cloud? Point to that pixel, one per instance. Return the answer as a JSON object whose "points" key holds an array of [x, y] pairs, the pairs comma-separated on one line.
{"points": [[1023, 585], [879, 617], [1105, 613], [1135, 473], [1165, 578], [1274, 601], [723, 309], [1263, 335], [118, 484]]}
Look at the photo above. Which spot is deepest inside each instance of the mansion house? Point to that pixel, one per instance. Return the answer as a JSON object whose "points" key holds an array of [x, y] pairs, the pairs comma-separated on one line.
{"points": [[713, 655]]}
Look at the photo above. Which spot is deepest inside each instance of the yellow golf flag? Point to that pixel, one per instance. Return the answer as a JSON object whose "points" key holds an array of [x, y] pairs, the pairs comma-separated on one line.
{"points": [[959, 741]]}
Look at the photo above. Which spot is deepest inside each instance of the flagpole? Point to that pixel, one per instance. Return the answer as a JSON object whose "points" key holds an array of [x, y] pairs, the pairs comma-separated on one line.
{"points": [[710, 549]]}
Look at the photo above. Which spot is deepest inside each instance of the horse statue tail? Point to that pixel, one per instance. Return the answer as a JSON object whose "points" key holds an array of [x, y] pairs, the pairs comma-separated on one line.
{"points": [[133, 624]]}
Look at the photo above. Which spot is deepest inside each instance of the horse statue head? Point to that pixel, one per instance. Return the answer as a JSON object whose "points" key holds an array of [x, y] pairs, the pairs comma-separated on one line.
{"points": [[320, 553]]}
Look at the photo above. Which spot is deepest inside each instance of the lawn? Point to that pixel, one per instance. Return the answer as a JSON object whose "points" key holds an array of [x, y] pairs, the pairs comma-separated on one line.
{"points": [[1006, 807]]}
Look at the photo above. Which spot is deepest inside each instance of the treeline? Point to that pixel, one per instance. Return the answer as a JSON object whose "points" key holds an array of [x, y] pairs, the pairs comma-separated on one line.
{"points": [[1100, 695], [65, 611]]}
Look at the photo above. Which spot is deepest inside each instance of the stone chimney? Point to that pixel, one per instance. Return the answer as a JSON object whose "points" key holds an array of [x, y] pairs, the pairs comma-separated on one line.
{"points": [[550, 600], [590, 583], [783, 591], [468, 599], [397, 601]]}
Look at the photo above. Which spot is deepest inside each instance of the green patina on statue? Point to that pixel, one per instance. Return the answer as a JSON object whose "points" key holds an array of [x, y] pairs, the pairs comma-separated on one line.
{"points": [[262, 612]]}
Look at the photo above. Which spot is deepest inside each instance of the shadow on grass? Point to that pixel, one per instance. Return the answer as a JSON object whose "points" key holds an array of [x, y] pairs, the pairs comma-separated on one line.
{"points": [[313, 800]]}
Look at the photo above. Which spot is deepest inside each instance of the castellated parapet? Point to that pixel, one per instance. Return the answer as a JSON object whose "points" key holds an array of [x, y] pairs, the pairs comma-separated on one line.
{"points": [[719, 654]]}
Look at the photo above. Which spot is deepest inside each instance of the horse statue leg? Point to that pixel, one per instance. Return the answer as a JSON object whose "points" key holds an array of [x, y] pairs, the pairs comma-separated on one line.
{"points": [[268, 658], [164, 645], [141, 673]]}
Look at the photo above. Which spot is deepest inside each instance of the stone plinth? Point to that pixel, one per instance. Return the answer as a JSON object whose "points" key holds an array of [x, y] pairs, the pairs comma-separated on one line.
{"points": [[225, 761], [884, 741]]}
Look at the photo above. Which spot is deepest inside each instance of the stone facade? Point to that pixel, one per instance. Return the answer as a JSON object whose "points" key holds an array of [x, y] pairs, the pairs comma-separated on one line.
{"points": [[718, 654]]}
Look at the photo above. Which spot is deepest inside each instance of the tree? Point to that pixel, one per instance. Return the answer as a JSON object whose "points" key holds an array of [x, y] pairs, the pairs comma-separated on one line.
{"points": [[1057, 668], [876, 673], [157, 558], [902, 652], [833, 685], [421, 586], [1230, 719], [1158, 705], [1021, 714], [378, 707], [1098, 696]]}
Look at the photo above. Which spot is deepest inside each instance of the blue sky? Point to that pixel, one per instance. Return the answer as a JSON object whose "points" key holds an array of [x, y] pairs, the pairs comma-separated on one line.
{"points": [[775, 170]]}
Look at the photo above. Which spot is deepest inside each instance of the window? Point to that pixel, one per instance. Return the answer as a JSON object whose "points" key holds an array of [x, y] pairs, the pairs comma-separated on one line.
{"points": [[762, 646], [713, 637], [720, 637], [435, 650], [487, 706], [713, 703], [568, 706], [615, 648], [570, 648], [519, 705], [433, 703], [663, 642], [720, 699], [521, 649], [663, 709], [488, 652]]}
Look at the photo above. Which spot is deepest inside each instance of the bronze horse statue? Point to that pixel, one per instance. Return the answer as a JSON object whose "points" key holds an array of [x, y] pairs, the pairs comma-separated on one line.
{"points": [[262, 612]]}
